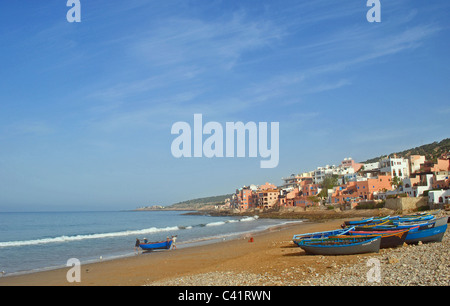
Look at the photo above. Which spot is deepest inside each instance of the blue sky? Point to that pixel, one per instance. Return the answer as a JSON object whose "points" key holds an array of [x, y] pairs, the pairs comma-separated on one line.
{"points": [[86, 108]]}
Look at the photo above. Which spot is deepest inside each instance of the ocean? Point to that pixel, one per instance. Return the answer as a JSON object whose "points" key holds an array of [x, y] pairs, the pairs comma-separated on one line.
{"points": [[37, 241]]}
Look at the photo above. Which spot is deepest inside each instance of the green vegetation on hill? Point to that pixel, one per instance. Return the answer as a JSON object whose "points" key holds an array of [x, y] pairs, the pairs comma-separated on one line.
{"points": [[200, 203], [431, 151]]}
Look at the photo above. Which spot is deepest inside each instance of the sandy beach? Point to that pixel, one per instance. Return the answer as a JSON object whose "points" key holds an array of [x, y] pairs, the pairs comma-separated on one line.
{"points": [[271, 251], [270, 260]]}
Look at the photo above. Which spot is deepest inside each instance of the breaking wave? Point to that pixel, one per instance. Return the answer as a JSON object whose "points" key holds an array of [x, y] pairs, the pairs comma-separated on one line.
{"points": [[152, 230]]}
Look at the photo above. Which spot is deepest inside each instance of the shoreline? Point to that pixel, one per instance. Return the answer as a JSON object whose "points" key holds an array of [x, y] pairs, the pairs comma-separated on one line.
{"points": [[271, 259], [135, 270], [195, 242]]}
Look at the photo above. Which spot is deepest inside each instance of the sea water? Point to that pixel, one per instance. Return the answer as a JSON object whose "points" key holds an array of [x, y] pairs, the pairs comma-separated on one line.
{"points": [[45, 240]]}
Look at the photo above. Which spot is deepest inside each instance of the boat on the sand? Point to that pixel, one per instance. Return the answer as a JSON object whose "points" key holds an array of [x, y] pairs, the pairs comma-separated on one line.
{"points": [[341, 246]]}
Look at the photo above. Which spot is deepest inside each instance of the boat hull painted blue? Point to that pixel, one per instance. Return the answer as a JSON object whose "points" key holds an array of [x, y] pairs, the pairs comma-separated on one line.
{"points": [[416, 219], [315, 247], [359, 222], [434, 234], [414, 227], [321, 235], [156, 245]]}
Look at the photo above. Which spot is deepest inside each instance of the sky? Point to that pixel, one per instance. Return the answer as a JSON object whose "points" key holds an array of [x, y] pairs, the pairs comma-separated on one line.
{"points": [[86, 108]]}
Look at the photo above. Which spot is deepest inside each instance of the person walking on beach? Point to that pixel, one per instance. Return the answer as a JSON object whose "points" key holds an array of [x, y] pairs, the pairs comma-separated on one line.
{"points": [[174, 238], [136, 246]]}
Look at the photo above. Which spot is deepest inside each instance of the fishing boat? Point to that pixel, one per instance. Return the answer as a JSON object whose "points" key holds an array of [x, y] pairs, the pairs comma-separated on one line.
{"points": [[370, 225], [358, 222], [434, 234], [441, 221], [398, 226], [341, 246], [156, 245], [415, 219], [389, 239], [424, 224], [321, 235], [371, 222]]}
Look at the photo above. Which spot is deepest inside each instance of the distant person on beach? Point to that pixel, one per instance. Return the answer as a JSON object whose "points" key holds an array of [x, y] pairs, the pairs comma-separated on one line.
{"points": [[174, 238], [136, 246]]}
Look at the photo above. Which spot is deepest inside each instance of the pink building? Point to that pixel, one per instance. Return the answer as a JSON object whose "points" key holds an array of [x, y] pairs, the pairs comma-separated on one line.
{"points": [[350, 163], [310, 189], [304, 201], [244, 199], [362, 190], [267, 186], [268, 198]]}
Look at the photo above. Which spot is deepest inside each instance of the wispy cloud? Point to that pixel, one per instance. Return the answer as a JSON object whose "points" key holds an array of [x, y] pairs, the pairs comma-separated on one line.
{"points": [[220, 43], [188, 52], [28, 127]]}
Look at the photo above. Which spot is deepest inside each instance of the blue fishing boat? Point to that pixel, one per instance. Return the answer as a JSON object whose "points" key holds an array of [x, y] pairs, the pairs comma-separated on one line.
{"points": [[415, 219], [341, 246], [440, 221], [434, 234], [321, 235], [397, 226], [389, 239], [358, 222], [156, 245]]}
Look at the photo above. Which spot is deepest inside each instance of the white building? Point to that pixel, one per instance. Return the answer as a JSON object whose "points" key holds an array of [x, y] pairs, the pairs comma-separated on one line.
{"points": [[321, 172], [371, 166], [415, 161], [395, 167], [294, 181], [413, 189], [439, 196]]}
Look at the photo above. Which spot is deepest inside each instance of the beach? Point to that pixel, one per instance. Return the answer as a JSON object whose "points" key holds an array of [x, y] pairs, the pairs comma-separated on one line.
{"points": [[271, 259], [271, 251]]}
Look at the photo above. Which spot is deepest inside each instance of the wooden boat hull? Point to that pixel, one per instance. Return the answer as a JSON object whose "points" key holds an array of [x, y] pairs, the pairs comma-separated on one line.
{"points": [[434, 234], [358, 222], [333, 247], [414, 226], [441, 221], [368, 224], [389, 239], [162, 245], [321, 235], [416, 219]]}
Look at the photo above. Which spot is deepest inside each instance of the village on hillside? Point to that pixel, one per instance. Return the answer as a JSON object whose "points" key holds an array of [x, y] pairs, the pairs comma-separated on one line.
{"points": [[352, 185]]}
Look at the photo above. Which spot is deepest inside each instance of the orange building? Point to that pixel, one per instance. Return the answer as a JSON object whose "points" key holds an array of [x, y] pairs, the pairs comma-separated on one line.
{"points": [[442, 184], [267, 186], [365, 189], [244, 199], [268, 198], [362, 190], [310, 189], [304, 201]]}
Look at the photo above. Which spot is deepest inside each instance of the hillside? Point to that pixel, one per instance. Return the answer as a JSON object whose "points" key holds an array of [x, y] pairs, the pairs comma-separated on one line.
{"points": [[431, 151], [200, 203]]}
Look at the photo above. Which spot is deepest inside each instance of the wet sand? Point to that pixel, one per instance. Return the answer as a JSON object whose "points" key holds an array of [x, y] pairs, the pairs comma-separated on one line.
{"points": [[271, 251]]}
